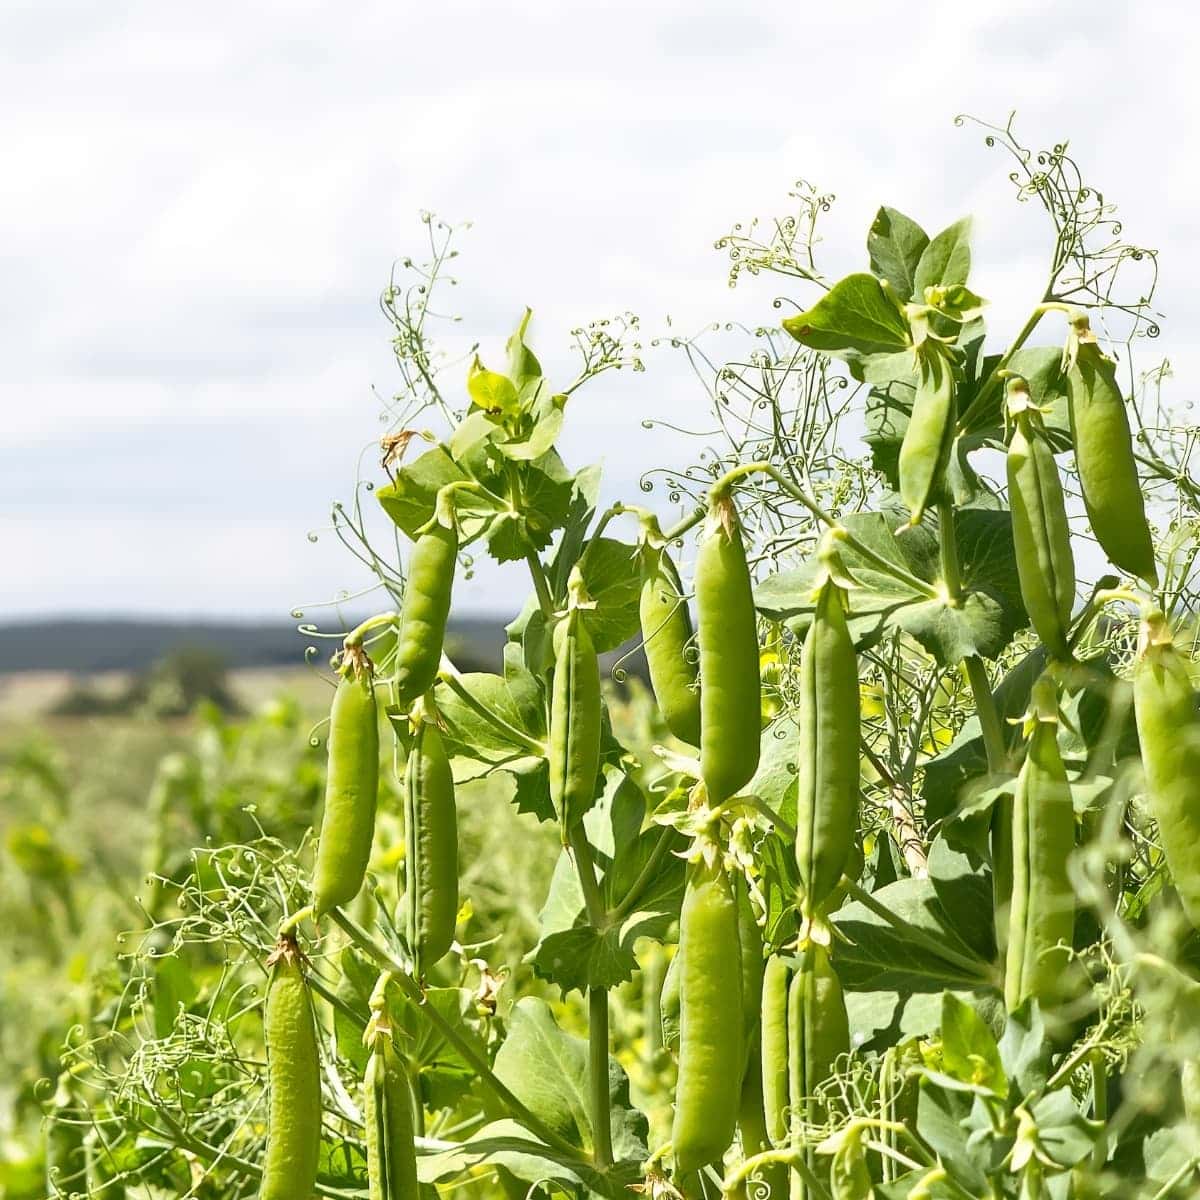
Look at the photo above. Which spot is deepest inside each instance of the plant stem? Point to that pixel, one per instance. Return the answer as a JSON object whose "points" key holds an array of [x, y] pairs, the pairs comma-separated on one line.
{"points": [[356, 635], [598, 1076], [948, 552], [412, 990], [541, 585]]}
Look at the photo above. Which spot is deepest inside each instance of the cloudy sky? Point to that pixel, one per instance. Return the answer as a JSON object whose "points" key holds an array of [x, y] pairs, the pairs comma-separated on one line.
{"points": [[201, 203]]}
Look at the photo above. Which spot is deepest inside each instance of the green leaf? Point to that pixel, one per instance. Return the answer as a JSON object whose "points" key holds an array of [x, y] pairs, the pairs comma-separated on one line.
{"points": [[444, 1075], [854, 317], [962, 878], [492, 392], [1025, 1050], [946, 260], [611, 576], [411, 497], [969, 1051], [1042, 368], [942, 1122], [174, 989], [528, 525], [523, 366], [895, 244], [1065, 1135]]}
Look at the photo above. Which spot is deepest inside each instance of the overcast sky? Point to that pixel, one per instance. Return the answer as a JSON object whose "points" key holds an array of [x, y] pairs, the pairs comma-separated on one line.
{"points": [[201, 203]]}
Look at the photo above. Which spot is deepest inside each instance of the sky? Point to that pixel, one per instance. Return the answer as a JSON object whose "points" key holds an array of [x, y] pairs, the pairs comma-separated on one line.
{"points": [[201, 203]]}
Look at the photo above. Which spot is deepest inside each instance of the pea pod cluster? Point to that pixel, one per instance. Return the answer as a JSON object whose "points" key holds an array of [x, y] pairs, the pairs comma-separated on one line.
{"points": [[1041, 918], [426, 608], [1041, 535], [431, 848], [575, 722], [1168, 726], [293, 1081], [730, 705], [667, 639], [711, 1055], [828, 777], [1108, 475], [929, 438], [387, 1115], [351, 788]]}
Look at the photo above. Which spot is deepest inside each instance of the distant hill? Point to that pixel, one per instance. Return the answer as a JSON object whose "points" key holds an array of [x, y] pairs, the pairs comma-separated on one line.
{"points": [[88, 645]]}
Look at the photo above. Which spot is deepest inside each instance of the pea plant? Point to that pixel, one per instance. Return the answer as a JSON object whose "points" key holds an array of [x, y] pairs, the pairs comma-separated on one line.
{"points": [[890, 890]]}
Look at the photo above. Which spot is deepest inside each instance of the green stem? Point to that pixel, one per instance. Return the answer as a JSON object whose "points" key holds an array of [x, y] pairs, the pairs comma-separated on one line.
{"points": [[541, 585], [974, 967], [359, 632], [290, 925], [1099, 1106], [948, 552], [598, 1076], [470, 1054], [989, 716]]}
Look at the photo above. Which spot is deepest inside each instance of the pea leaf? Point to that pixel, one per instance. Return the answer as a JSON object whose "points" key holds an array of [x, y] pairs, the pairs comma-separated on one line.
{"points": [[895, 244], [523, 367], [855, 317], [611, 576], [969, 1051], [492, 392], [411, 497], [442, 1072], [946, 260]]}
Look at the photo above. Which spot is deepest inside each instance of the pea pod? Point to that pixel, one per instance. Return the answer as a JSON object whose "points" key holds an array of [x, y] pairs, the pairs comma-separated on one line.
{"points": [[1108, 474], [818, 1033], [575, 719], [425, 608], [351, 788], [752, 1133], [925, 448], [774, 1047], [1041, 535], [668, 1005], [293, 1080], [711, 1057], [387, 1114], [431, 848], [730, 705], [751, 944], [1164, 705], [828, 776], [668, 644], [1041, 917], [66, 1155]]}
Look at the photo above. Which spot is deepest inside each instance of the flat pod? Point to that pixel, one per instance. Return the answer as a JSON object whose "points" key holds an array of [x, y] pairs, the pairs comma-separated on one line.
{"points": [[1108, 474], [388, 1117], [730, 702], [1168, 728], [711, 1057], [667, 641], [773, 1044], [1041, 536], [575, 722], [925, 448], [424, 611], [293, 1083], [351, 791], [431, 849], [828, 763], [1041, 919]]}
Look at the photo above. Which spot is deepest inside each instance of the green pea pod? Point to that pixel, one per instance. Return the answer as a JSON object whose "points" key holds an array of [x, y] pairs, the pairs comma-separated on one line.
{"points": [[1108, 474], [818, 1034], [425, 609], [730, 704], [387, 1114], [774, 1047], [668, 644], [711, 1057], [828, 776], [431, 848], [751, 944], [293, 1080], [1041, 917], [1041, 535], [66, 1154], [1164, 705], [668, 1006], [575, 717], [351, 789], [752, 1133], [925, 448]]}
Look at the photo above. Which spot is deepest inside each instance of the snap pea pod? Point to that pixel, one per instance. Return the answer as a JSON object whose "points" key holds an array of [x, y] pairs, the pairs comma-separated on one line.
{"points": [[711, 1056], [293, 1081], [1042, 908], [351, 788], [818, 1034], [575, 722], [425, 608], [828, 775], [730, 704], [1108, 474], [774, 1046], [1041, 535], [751, 945], [431, 848], [927, 442], [1164, 705], [388, 1117], [668, 644], [668, 1005]]}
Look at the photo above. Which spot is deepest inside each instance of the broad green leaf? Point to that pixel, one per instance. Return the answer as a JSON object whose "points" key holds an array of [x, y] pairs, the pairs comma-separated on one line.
{"points": [[1065, 1135], [854, 317], [946, 260], [969, 1051], [611, 576], [174, 989], [523, 366], [1025, 1050], [895, 244], [962, 879], [529, 523], [1042, 368], [444, 1075], [942, 1122], [492, 392], [411, 497]]}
